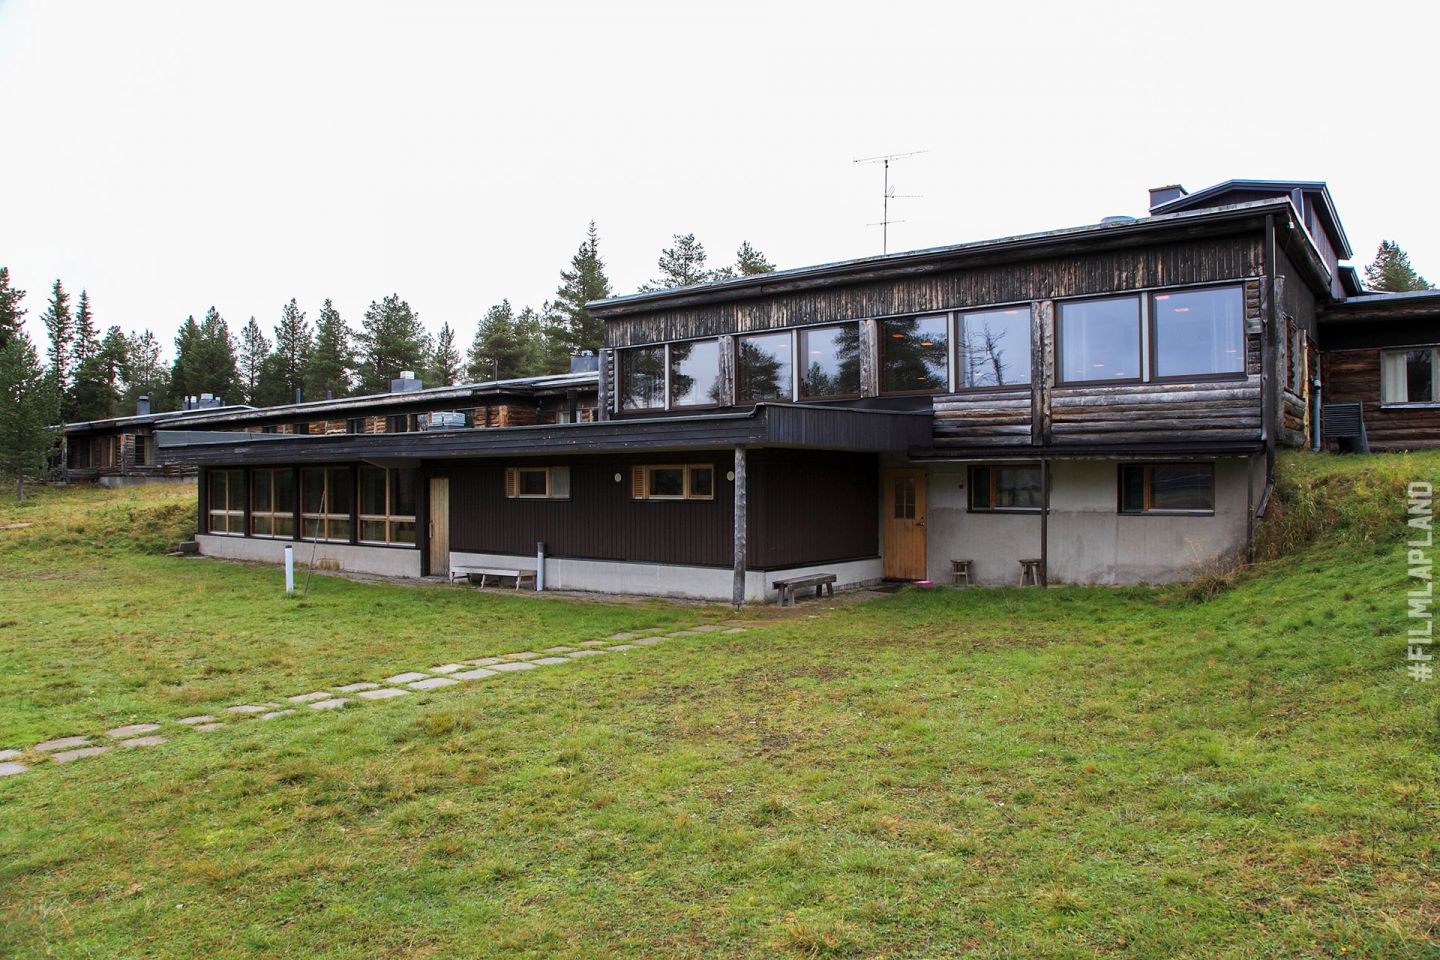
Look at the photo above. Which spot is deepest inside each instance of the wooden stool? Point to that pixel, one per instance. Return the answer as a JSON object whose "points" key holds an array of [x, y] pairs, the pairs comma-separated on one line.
{"points": [[960, 573], [1030, 570]]}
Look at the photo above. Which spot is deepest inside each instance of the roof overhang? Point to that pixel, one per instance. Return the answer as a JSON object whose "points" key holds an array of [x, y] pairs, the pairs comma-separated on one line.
{"points": [[149, 419], [1381, 320], [1128, 451], [765, 425], [1316, 188]]}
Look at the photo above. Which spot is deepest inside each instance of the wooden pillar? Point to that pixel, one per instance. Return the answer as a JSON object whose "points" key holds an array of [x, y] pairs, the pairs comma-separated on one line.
{"points": [[1269, 376], [1044, 523], [738, 588]]}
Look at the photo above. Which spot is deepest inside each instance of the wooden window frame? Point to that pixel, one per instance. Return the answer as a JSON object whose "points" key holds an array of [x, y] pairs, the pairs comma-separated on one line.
{"points": [[327, 516], [670, 403], [272, 514], [389, 518], [354, 424], [788, 396], [1147, 489], [993, 487], [1140, 333], [234, 502], [957, 349], [949, 318], [512, 483], [640, 482], [1407, 404], [798, 375]]}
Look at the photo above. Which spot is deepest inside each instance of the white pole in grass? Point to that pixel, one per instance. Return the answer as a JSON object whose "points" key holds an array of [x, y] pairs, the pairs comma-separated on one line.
{"points": [[539, 566], [289, 568]]}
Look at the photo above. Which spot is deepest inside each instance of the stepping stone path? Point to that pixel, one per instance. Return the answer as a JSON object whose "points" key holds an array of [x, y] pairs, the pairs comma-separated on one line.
{"points": [[137, 735]]}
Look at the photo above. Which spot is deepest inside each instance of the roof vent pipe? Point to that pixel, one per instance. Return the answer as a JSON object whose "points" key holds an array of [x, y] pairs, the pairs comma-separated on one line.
{"points": [[142, 405]]}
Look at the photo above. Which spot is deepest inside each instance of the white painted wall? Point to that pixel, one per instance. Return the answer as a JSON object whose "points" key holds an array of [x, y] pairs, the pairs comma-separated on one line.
{"points": [[383, 561]]}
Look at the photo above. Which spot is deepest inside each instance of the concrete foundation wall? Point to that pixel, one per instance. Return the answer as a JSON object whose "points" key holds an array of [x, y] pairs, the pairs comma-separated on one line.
{"points": [[131, 481], [1090, 542], [665, 580], [383, 561]]}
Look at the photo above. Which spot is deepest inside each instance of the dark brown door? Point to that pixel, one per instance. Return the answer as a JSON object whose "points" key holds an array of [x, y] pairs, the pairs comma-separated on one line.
{"points": [[904, 524], [439, 531]]}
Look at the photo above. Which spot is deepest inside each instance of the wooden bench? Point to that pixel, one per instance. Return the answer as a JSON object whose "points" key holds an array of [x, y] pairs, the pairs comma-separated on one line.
{"points": [[478, 575], [789, 585]]}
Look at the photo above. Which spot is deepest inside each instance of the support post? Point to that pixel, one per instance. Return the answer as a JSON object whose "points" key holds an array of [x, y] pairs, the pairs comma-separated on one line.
{"points": [[1044, 523], [738, 589], [539, 566], [1269, 375], [289, 568]]}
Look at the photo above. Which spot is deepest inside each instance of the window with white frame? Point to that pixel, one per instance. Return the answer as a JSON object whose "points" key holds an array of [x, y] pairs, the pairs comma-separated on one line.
{"points": [[537, 483], [680, 481], [387, 505], [1408, 376]]}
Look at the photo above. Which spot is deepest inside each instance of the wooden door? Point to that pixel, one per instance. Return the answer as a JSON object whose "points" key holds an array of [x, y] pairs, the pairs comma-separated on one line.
{"points": [[904, 492], [439, 527]]}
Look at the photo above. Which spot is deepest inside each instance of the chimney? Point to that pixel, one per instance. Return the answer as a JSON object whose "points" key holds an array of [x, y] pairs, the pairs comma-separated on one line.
{"points": [[142, 405], [1163, 195], [584, 362], [298, 394], [406, 383]]}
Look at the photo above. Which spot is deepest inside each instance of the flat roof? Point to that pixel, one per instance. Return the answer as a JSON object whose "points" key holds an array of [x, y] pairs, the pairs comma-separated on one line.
{"points": [[141, 419]]}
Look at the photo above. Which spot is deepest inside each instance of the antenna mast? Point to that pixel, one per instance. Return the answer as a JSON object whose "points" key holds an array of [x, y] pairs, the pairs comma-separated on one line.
{"points": [[889, 194]]}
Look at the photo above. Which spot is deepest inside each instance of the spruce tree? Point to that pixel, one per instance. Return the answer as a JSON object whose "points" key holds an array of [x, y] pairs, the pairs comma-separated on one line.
{"points": [[89, 396], [333, 359], [530, 335], [185, 371], [60, 327], [219, 374], [1391, 272], [583, 282], [749, 261], [682, 264], [12, 315], [496, 352], [146, 375], [114, 362], [445, 364], [29, 408], [254, 348], [293, 343], [392, 340]]}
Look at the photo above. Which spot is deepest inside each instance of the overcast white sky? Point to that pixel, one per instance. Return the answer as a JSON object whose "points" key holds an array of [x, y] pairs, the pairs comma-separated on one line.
{"points": [[170, 156]]}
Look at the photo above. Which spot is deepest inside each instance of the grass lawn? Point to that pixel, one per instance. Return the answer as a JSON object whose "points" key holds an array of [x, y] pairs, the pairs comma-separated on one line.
{"points": [[1235, 769]]}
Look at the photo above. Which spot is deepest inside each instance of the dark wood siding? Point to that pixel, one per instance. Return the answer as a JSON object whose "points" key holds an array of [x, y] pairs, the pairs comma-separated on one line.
{"points": [[1193, 261], [812, 507], [1354, 375]]}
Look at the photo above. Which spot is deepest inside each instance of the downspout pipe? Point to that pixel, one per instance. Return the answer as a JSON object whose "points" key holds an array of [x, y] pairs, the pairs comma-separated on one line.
{"points": [[1268, 379]]}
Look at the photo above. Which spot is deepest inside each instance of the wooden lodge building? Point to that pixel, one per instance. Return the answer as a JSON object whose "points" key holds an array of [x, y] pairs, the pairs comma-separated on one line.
{"points": [[1105, 402]]}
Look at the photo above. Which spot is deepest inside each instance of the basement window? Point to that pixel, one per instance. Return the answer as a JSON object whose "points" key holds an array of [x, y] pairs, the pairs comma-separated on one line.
{"points": [[1408, 376], [272, 503], [387, 506], [690, 481], [1167, 488], [325, 501], [1005, 489], [226, 495], [537, 483]]}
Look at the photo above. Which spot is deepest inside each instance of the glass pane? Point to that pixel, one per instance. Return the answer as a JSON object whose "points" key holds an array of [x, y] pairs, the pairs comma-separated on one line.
{"points": [[642, 378], [694, 373], [1199, 332], [340, 494], [980, 488], [402, 533], [1417, 375], [832, 361], [667, 482], [260, 525], [995, 347], [915, 351], [373, 530], [1100, 339], [284, 525], [403, 484], [763, 368], [560, 483], [702, 482], [284, 491], [1018, 488], [260, 490], [1132, 489], [372, 491], [905, 498], [339, 529], [532, 483], [217, 489], [236, 523], [1181, 487], [312, 528], [312, 488]]}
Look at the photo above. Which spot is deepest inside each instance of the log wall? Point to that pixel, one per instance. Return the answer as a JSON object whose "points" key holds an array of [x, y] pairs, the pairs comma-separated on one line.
{"points": [[1354, 375]]}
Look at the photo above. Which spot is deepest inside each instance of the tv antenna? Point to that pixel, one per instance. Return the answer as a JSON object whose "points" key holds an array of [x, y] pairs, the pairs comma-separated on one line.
{"points": [[890, 194]]}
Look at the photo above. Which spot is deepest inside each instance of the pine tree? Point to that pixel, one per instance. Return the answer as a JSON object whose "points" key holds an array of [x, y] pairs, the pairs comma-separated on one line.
{"points": [[1391, 271], [530, 335], [254, 348], [392, 341], [333, 359], [114, 361], [147, 375], [682, 264], [444, 369], [555, 339], [12, 315], [749, 261], [583, 282], [496, 353], [204, 359], [293, 343], [60, 327], [29, 407]]}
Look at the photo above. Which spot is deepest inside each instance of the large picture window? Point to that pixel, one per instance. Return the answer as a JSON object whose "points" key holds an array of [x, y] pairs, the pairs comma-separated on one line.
{"points": [[272, 503], [831, 359], [537, 483], [688, 481], [1167, 488], [387, 505], [763, 367], [995, 347], [642, 378], [1198, 333], [326, 498], [226, 494], [913, 354], [1004, 488], [1100, 340], [695, 373], [1409, 376]]}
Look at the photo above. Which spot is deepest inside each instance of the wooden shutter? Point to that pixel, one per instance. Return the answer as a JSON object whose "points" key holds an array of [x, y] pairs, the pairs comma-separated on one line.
{"points": [[637, 483], [512, 482]]}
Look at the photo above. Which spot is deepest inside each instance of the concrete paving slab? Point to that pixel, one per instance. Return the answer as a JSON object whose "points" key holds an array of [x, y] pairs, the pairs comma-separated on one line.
{"points": [[384, 693], [484, 661], [648, 641], [736, 630], [549, 661], [273, 714], [594, 643], [249, 708], [623, 646], [11, 769], [410, 677], [514, 665], [479, 673], [207, 727], [198, 718], [357, 687], [64, 743], [310, 697], [142, 742], [447, 668], [522, 655], [130, 730], [9, 754], [707, 628], [683, 633], [587, 653], [623, 636], [65, 756], [558, 650], [334, 704], [433, 682]]}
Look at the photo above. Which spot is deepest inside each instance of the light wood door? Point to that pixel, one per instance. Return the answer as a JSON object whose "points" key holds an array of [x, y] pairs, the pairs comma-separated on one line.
{"points": [[439, 526], [904, 492]]}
